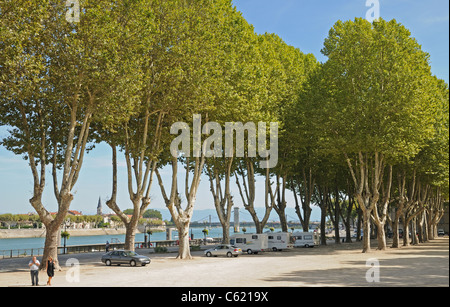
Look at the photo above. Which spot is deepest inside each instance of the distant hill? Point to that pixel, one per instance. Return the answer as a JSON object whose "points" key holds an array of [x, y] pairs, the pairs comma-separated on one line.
{"points": [[203, 215]]}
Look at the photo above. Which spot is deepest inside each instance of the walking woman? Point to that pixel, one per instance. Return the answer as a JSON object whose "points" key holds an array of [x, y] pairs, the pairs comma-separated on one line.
{"points": [[50, 270]]}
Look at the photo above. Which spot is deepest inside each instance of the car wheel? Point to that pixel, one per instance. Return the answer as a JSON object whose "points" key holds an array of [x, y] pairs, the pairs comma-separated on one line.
{"points": [[229, 255], [208, 254], [274, 249], [108, 262], [249, 251], [306, 245], [133, 263]]}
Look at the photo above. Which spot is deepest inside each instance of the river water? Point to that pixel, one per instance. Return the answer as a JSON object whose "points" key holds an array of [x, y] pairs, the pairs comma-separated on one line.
{"points": [[35, 243]]}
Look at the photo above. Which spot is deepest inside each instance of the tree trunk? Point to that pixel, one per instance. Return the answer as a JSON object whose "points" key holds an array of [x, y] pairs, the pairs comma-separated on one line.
{"points": [[323, 204], [335, 215], [381, 237], [347, 219], [380, 212], [305, 190], [226, 233], [323, 220], [182, 217], [366, 231], [184, 251], [395, 230], [358, 225], [223, 201], [258, 225], [51, 246], [367, 183], [406, 239], [280, 204], [130, 236], [248, 195], [283, 222]]}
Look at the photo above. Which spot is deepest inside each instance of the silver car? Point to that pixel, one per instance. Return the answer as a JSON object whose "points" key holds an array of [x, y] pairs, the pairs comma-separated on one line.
{"points": [[125, 257], [223, 250]]}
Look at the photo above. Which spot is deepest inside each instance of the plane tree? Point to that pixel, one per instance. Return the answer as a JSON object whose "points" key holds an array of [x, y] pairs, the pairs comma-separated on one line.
{"points": [[138, 133], [57, 78], [193, 40], [292, 74], [374, 112]]}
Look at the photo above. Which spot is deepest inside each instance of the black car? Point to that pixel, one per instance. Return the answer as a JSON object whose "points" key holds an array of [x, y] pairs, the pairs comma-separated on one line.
{"points": [[125, 257]]}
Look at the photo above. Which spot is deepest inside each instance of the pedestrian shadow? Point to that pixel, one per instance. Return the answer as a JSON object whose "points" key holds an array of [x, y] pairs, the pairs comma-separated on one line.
{"points": [[24, 286], [14, 270]]}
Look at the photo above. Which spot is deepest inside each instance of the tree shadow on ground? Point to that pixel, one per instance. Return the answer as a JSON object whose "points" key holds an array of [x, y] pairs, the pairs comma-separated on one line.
{"points": [[416, 266]]}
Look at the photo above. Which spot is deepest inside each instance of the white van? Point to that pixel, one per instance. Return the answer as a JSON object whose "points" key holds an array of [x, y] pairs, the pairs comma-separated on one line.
{"points": [[303, 239], [279, 241], [250, 243]]}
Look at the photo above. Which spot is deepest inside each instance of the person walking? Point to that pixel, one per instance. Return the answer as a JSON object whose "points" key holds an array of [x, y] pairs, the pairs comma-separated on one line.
{"points": [[50, 270], [34, 270], [107, 246]]}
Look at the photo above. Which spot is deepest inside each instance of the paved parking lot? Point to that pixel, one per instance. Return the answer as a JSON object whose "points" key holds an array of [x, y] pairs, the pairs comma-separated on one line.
{"points": [[334, 265]]}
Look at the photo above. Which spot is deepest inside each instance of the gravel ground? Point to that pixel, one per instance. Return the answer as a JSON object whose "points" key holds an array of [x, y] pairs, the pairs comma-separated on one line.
{"points": [[341, 265]]}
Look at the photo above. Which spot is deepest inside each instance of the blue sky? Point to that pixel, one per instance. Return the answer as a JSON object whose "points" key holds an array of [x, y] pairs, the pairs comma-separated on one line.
{"points": [[303, 24], [306, 23]]}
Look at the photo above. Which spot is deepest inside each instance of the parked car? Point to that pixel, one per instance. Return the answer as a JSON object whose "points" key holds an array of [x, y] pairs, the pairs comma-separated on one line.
{"points": [[441, 233], [125, 257], [223, 250]]}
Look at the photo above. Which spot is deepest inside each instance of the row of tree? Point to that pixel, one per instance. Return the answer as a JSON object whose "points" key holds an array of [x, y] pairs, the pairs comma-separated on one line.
{"points": [[368, 128]]}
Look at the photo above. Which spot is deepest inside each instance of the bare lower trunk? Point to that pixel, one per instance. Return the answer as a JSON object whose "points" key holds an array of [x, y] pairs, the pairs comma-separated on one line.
{"points": [[248, 193], [258, 226], [182, 217], [323, 217], [52, 226], [366, 231], [305, 191], [283, 222], [381, 237], [280, 204], [130, 237], [395, 232], [51, 246], [358, 226], [223, 201], [184, 251], [381, 234], [226, 233], [406, 239]]}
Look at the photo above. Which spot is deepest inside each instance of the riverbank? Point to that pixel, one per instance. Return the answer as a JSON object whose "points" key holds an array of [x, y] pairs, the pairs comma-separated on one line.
{"points": [[335, 265], [40, 233]]}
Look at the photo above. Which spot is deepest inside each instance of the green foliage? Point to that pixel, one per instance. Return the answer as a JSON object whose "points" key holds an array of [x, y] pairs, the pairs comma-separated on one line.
{"points": [[376, 84], [130, 69], [152, 213], [65, 235], [161, 250]]}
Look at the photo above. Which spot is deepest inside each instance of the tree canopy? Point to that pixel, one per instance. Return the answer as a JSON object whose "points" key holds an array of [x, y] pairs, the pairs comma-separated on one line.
{"points": [[365, 131]]}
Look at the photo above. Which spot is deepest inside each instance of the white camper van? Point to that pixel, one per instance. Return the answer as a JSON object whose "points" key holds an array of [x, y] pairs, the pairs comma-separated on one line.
{"points": [[303, 239], [279, 241], [250, 243]]}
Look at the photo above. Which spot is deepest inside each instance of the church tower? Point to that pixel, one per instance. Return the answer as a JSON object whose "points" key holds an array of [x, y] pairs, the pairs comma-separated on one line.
{"points": [[99, 207]]}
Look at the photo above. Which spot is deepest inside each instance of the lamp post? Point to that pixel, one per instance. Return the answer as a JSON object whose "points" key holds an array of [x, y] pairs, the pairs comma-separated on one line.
{"points": [[145, 235], [149, 232], [65, 234]]}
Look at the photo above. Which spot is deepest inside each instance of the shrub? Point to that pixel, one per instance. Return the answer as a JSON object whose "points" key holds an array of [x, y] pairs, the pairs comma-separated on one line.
{"points": [[161, 250]]}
